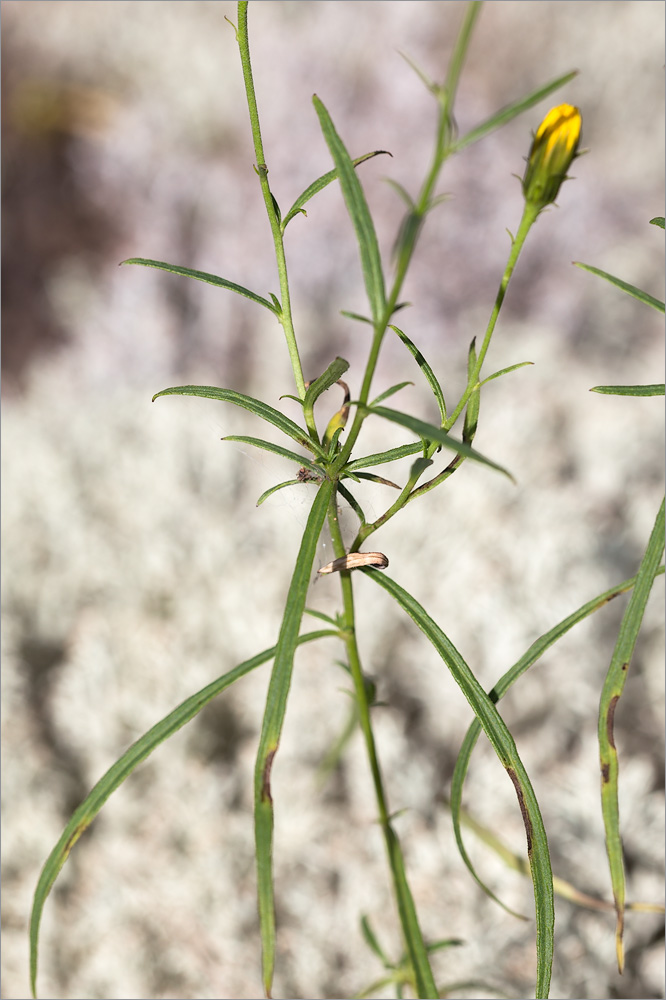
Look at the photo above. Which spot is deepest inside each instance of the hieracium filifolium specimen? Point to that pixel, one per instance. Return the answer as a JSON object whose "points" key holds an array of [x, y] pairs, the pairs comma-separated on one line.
{"points": [[329, 465]]}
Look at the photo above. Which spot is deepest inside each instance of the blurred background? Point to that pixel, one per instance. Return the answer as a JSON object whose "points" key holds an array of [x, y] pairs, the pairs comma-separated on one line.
{"points": [[137, 568]]}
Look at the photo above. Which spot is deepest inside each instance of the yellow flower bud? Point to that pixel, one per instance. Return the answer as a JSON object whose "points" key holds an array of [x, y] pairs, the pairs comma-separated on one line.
{"points": [[554, 147]]}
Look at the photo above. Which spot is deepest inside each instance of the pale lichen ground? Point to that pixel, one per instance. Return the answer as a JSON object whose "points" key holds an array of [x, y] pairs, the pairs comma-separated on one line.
{"points": [[136, 567]]}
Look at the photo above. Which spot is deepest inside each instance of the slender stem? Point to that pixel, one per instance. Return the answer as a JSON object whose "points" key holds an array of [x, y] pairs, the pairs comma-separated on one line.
{"points": [[393, 849], [349, 633], [272, 210], [413, 222], [408, 493], [530, 213]]}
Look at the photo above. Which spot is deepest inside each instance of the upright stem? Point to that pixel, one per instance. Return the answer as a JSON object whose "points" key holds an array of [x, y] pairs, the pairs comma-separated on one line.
{"points": [[445, 95], [424, 982], [530, 213], [271, 205]]}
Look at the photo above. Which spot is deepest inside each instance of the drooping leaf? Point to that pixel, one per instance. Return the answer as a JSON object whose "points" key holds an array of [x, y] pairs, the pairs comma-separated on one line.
{"points": [[505, 748], [211, 279], [275, 448], [256, 406], [533, 654], [274, 489], [118, 772]]}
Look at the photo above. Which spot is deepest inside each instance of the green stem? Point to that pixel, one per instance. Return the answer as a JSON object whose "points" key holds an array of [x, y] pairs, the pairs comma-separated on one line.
{"points": [[530, 213], [413, 222], [286, 319], [396, 862], [408, 494]]}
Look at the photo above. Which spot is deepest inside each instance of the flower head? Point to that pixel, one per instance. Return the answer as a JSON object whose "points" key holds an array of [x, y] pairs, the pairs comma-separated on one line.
{"points": [[554, 147]]}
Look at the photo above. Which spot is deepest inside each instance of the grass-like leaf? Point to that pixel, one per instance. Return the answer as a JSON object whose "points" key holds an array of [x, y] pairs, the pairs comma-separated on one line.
{"points": [[275, 448], [380, 457], [211, 279], [637, 293], [561, 887], [429, 374], [320, 183], [505, 748], [118, 772], [391, 391], [429, 432], [630, 390], [512, 111], [505, 371], [610, 695], [352, 501], [358, 212], [529, 658], [279, 486], [257, 406], [276, 705]]}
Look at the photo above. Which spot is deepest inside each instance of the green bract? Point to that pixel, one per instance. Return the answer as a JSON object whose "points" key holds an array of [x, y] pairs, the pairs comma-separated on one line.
{"points": [[554, 147]]}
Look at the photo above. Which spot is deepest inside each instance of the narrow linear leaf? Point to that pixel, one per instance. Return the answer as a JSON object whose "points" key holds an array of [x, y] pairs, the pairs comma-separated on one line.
{"points": [[429, 432], [322, 616], [426, 369], [356, 316], [610, 696], [630, 390], [321, 183], [373, 943], [561, 887], [381, 457], [256, 406], [352, 501], [391, 391], [529, 658], [358, 212], [378, 479], [507, 114], [505, 748], [274, 489], [275, 448], [637, 293], [276, 705], [505, 371], [118, 772], [211, 279], [401, 192]]}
